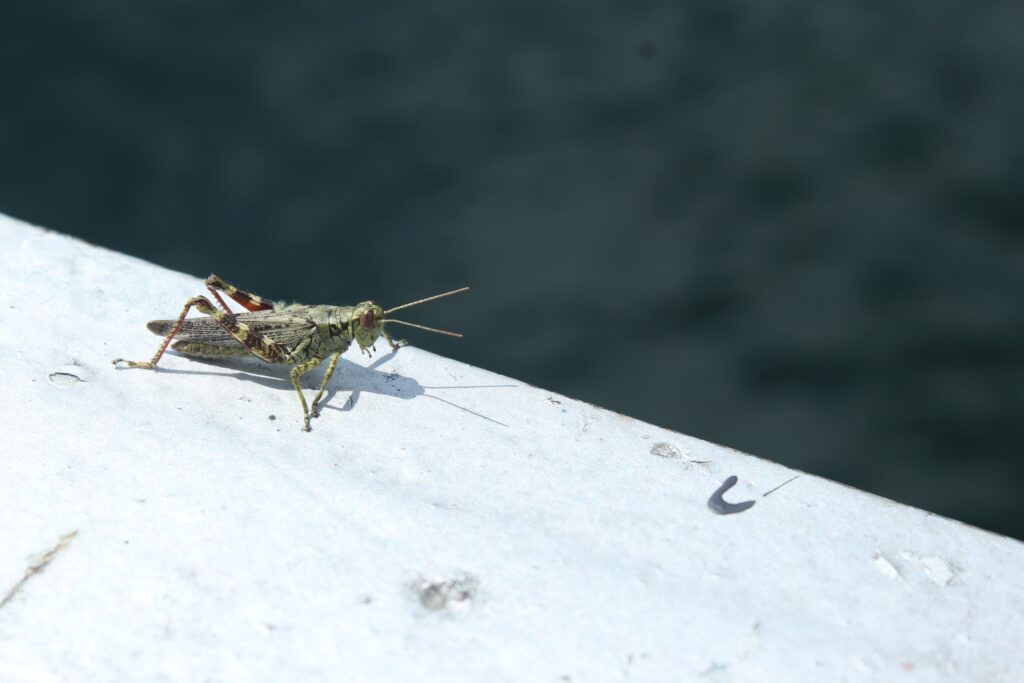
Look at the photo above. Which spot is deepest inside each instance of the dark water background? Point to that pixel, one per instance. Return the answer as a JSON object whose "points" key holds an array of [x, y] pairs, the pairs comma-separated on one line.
{"points": [[794, 228]]}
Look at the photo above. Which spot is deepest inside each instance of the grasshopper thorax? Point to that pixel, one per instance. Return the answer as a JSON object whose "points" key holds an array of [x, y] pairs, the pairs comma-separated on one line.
{"points": [[366, 323]]}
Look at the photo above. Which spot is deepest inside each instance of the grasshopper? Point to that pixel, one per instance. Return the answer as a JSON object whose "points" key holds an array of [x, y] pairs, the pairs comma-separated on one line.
{"points": [[294, 334]]}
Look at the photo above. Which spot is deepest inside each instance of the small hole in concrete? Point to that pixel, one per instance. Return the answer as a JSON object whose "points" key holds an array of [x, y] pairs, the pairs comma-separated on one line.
{"points": [[446, 594], [64, 380]]}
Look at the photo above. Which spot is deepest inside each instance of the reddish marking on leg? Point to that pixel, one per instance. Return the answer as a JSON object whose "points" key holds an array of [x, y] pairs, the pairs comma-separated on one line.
{"points": [[200, 303], [220, 301], [256, 343], [250, 301]]}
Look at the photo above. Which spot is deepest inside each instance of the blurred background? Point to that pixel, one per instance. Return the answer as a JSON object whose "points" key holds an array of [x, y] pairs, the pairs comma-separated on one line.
{"points": [[792, 228]]}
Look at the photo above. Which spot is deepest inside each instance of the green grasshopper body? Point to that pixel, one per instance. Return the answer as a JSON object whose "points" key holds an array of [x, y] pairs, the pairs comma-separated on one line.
{"points": [[294, 334]]}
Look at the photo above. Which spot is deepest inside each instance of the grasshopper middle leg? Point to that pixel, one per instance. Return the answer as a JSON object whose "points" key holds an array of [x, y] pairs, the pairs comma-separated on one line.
{"points": [[297, 372], [315, 410]]}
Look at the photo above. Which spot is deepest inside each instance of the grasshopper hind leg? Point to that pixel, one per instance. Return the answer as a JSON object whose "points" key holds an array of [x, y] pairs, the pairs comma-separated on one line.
{"points": [[199, 302], [253, 341], [247, 300]]}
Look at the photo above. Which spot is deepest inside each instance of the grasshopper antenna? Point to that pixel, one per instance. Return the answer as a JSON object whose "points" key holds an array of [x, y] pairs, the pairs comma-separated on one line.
{"points": [[423, 327], [423, 301]]}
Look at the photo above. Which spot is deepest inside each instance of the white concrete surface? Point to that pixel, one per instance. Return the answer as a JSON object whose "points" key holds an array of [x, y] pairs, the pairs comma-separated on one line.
{"points": [[441, 523]]}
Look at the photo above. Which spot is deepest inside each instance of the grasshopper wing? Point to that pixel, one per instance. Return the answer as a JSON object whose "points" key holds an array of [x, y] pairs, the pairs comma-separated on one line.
{"points": [[205, 337]]}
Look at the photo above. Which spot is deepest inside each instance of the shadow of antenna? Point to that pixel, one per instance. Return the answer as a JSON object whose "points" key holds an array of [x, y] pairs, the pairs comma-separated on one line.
{"points": [[467, 410]]}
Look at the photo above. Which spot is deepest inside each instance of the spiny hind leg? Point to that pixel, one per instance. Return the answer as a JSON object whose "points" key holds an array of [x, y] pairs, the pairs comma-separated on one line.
{"points": [[255, 342], [199, 302], [315, 410], [297, 372], [247, 300]]}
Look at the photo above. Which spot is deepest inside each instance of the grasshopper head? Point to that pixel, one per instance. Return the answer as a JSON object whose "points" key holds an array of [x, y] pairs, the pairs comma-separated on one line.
{"points": [[367, 323]]}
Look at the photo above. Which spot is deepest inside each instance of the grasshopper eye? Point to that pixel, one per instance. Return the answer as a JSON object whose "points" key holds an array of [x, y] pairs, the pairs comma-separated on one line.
{"points": [[367, 319]]}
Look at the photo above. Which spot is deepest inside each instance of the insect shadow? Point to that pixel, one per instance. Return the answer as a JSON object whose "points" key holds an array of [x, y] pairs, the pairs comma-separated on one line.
{"points": [[351, 377], [393, 384]]}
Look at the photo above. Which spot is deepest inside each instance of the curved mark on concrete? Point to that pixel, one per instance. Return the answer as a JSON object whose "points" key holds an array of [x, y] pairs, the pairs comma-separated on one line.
{"points": [[719, 504]]}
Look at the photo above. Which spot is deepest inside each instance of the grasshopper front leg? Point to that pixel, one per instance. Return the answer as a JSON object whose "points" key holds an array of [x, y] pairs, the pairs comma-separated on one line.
{"points": [[395, 345]]}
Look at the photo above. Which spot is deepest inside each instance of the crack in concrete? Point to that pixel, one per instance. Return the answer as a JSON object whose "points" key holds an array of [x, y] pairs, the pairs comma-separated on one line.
{"points": [[38, 566]]}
